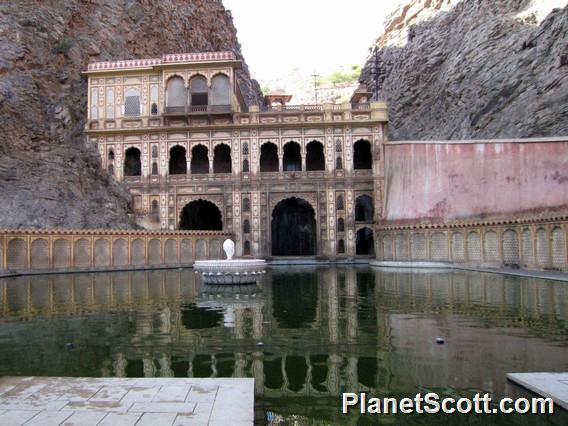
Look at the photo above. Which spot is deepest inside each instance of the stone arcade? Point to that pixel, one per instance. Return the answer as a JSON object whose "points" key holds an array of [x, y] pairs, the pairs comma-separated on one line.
{"points": [[285, 180]]}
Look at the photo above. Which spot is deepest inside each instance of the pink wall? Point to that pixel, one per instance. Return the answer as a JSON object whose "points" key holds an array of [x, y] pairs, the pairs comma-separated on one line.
{"points": [[440, 182]]}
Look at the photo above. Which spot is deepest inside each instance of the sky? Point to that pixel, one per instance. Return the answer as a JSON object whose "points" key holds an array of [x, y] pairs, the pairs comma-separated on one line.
{"points": [[277, 36]]}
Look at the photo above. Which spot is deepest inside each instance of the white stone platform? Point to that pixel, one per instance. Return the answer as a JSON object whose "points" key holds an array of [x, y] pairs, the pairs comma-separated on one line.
{"points": [[126, 401], [548, 385]]}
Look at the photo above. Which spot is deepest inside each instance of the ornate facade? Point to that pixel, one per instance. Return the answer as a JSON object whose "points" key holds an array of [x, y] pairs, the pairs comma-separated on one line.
{"points": [[283, 179]]}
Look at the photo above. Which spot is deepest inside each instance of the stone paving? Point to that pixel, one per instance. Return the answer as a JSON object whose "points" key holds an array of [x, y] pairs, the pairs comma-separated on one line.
{"points": [[548, 385], [49, 401]]}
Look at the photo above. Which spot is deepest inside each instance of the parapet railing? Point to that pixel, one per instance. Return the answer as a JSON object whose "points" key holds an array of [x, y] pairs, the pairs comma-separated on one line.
{"points": [[318, 107], [188, 109], [37, 251], [531, 243]]}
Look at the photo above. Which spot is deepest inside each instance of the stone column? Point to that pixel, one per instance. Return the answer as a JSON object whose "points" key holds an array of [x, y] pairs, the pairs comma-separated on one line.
{"points": [[351, 305], [256, 234], [148, 366], [237, 223], [163, 156], [165, 366], [119, 365], [332, 306], [257, 322], [348, 154], [331, 249], [145, 160], [258, 372], [349, 223]]}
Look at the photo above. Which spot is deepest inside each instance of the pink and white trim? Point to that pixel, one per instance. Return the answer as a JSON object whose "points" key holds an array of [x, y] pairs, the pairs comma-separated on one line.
{"points": [[173, 58]]}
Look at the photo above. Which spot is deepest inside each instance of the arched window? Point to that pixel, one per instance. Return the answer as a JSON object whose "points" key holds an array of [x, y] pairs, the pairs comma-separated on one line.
{"points": [[315, 159], [199, 91], [111, 155], [176, 94], [154, 108], [268, 157], [246, 227], [154, 168], [364, 209], [292, 158], [362, 157], [199, 160], [154, 151], [340, 225], [222, 159], [247, 248], [132, 164], [338, 145], [132, 103], [246, 205], [340, 247], [178, 161], [340, 203], [220, 90], [245, 166], [338, 163], [155, 211], [245, 148]]}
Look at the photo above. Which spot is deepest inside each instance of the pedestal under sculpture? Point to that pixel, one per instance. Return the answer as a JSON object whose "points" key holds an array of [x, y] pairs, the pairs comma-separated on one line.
{"points": [[230, 271]]}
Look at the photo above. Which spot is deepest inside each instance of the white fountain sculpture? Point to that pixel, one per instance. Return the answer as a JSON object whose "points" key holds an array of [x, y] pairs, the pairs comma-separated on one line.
{"points": [[230, 271]]}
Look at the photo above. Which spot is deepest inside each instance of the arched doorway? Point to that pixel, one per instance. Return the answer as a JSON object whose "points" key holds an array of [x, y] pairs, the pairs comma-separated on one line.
{"points": [[268, 157], [199, 160], [364, 242], [292, 158], [362, 156], [178, 162], [315, 159], [364, 209], [222, 159], [199, 91], [293, 228], [200, 215], [132, 163], [176, 94]]}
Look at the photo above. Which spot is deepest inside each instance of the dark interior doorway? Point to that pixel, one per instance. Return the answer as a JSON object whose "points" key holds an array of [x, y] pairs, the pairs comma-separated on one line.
{"points": [[178, 161], [362, 156], [132, 163], [364, 243], [200, 215], [199, 160], [268, 157], [292, 157], [315, 159], [222, 159], [364, 209], [293, 228]]}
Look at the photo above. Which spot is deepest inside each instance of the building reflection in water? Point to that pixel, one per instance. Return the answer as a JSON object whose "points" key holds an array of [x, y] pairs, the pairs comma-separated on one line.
{"points": [[323, 331]]}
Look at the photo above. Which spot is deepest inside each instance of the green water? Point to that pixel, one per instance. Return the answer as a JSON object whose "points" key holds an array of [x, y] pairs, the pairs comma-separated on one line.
{"points": [[324, 331]]}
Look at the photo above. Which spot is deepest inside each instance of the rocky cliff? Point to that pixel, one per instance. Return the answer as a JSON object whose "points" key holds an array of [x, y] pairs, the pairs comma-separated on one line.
{"points": [[460, 69], [48, 176]]}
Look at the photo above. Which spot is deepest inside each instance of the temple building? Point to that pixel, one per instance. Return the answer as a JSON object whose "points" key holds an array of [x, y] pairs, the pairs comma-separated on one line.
{"points": [[285, 180]]}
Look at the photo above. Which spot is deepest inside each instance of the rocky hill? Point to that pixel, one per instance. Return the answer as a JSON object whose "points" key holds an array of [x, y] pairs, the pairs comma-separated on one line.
{"points": [[460, 69], [48, 176]]}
